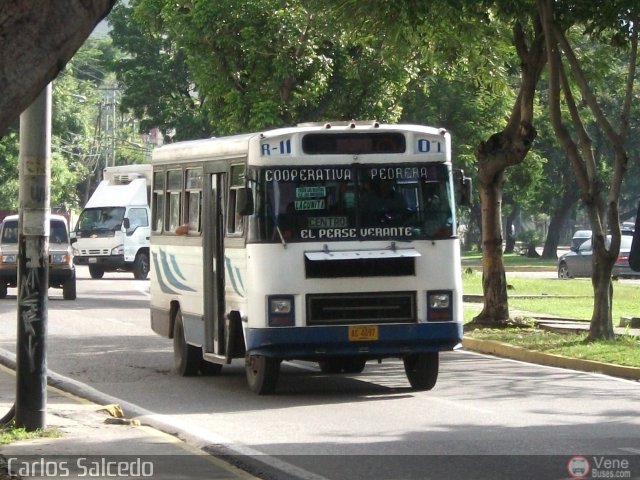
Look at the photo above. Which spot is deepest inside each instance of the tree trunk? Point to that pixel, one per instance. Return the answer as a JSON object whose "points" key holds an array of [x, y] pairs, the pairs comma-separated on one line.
{"points": [[558, 219], [510, 236], [502, 150], [601, 321], [494, 282], [38, 39]]}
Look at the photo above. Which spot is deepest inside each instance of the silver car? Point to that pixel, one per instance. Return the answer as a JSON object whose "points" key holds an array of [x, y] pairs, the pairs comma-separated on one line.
{"points": [[578, 262]]}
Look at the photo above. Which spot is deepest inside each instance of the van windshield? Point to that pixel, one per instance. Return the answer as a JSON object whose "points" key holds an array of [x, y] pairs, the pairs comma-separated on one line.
{"points": [[10, 232], [57, 232], [100, 218]]}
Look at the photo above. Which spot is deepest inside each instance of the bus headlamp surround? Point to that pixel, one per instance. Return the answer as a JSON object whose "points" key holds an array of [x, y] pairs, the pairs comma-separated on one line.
{"points": [[439, 306], [281, 311]]}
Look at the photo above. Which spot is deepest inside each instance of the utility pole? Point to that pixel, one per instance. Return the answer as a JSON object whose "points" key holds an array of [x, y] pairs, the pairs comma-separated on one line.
{"points": [[33, 271]]}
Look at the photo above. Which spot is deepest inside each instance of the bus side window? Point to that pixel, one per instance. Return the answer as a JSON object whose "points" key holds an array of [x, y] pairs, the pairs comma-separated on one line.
{"points": [[174, 191], [235, 225], [235, 221], [158, 202], [193, 200]]}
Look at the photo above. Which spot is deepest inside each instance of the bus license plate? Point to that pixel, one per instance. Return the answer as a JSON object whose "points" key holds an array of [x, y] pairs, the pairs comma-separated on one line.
{"points": [[93, 260], [363, 333]]}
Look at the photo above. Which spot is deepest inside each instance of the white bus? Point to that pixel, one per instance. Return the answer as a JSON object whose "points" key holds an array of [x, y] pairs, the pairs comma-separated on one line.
{"points": [[328, 243]]}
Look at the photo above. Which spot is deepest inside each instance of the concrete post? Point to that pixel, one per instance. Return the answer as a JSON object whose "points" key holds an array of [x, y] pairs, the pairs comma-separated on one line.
{"points": [[33, 271]]}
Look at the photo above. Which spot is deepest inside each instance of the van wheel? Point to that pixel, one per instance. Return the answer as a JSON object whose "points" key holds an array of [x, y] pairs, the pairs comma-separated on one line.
{"points": [[187, 358], [3, 290], [96, 272], [69, 288], [262, 373], [422, 370], [141, 266]]}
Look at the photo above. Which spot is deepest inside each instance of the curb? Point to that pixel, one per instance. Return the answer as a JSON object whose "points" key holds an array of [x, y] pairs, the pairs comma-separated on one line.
{"points": [[549, 359]]}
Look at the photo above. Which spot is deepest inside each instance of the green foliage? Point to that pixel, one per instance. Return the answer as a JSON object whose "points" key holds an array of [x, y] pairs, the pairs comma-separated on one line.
{"points": [[232, 67], [9, 150], [12, 434]]}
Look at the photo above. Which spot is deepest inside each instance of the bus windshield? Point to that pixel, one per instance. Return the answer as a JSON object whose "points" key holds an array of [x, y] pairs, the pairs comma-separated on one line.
{"points": [[355, 202]]}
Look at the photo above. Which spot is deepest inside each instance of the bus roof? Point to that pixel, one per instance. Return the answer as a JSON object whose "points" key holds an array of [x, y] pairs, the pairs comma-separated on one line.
{"points": [[238, 145]]}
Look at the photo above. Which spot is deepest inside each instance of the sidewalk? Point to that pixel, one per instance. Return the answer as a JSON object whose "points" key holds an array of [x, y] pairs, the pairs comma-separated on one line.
{"points": [[89, 446]]}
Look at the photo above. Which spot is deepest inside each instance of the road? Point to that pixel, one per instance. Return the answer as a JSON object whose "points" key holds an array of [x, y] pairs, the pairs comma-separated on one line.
{"points": [[371, 424]]}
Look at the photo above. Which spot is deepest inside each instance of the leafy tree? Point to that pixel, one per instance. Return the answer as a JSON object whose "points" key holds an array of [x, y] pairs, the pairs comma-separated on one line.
{"points": [[38, 39], [240, 67], [617, 21]]}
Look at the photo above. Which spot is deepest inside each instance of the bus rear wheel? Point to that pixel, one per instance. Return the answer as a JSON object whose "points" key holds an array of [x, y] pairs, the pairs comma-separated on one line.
{"points": [[187, 358], [422, 369], [262, 373]]}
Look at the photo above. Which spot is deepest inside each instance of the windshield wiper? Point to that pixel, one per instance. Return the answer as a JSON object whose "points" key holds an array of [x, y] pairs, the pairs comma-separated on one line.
{"points": [[282, 240]]}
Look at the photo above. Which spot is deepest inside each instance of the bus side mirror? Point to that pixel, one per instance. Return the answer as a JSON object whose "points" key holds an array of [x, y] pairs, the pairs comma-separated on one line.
{"points": [[634, 255], [463, 190], [244, 201], [126, 223]]}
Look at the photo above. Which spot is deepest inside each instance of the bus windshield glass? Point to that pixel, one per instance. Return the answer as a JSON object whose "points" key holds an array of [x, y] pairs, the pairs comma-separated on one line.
{"points": [[355, 202]]}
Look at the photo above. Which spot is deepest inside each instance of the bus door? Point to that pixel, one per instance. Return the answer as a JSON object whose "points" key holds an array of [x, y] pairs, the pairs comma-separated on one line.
{"points": [[213, 264]]}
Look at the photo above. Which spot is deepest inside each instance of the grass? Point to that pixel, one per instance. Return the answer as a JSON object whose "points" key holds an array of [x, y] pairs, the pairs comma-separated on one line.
{"points": [[510, 260], [12, 434], [625, 350], [564, 298]]}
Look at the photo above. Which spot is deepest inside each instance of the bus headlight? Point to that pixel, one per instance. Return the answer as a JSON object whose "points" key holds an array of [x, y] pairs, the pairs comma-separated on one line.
{"points": [[119, 250], [439, 306], [281, 311]]}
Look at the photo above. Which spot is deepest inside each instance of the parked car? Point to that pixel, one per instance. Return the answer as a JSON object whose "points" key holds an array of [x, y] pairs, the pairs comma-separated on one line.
{"points": [[579, 238], [578, 262], [62, 272]]}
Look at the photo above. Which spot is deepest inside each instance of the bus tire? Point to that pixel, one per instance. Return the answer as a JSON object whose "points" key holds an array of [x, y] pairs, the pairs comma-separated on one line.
{"points": [[262, 373], [96, 272], [187, 358], [422, 370], [3, 290], [141, 266]]}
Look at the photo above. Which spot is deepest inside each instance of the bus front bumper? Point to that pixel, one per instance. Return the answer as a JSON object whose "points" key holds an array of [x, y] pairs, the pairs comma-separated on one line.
{"points": [[318, 342]]}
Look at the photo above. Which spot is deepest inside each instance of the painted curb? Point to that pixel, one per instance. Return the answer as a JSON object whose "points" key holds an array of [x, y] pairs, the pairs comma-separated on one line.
{"points": [[518, 353]]}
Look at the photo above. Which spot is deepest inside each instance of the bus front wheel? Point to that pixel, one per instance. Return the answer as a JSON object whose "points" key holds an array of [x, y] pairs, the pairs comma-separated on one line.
{"points": [[186, 357], [262, 373], [422, 370]]}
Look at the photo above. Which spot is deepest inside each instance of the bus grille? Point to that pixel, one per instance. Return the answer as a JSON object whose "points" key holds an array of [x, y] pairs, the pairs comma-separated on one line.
{"points": [[352, 308]]}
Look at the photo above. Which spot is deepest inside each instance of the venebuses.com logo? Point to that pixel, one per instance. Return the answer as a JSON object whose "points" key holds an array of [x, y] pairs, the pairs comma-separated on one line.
{"points": [[598, 467], [578, 467]]}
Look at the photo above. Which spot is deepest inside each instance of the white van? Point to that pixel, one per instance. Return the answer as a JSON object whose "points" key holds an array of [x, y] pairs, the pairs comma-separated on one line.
{"points": [[62, 273], [112, 232]]}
